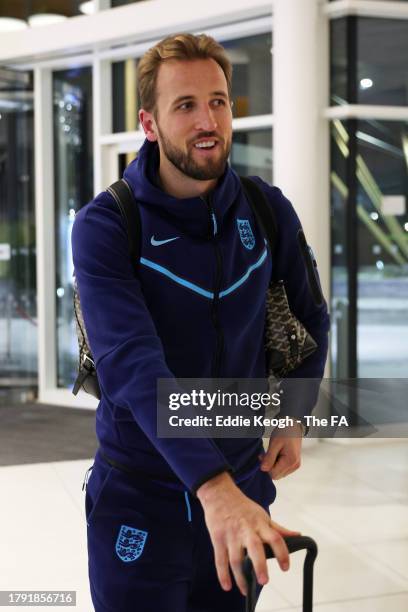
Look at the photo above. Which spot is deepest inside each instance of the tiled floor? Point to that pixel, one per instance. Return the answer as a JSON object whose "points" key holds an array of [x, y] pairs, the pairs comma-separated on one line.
{"points": [[352, 499]]}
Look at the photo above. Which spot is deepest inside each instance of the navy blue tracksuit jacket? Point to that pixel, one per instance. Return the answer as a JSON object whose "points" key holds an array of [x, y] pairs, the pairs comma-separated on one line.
{"points": [[197, 309]]}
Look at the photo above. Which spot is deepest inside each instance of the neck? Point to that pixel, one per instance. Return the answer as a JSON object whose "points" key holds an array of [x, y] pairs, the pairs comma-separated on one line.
{"points": [[178, 185]]}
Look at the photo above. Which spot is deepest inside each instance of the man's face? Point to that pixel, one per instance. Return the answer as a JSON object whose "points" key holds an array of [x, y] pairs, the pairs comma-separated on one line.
{"points": [[193, 118]]}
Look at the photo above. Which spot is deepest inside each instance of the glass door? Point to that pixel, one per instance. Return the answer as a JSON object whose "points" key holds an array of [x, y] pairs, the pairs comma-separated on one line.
{"points": [[73, 189], [18, 305]]}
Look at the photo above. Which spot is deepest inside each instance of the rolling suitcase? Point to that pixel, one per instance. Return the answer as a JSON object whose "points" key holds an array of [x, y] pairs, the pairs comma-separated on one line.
{"points": [[294, 543]]}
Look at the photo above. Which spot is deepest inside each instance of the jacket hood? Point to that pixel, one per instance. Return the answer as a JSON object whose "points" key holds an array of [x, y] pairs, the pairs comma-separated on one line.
{"points": [[190, 214]]}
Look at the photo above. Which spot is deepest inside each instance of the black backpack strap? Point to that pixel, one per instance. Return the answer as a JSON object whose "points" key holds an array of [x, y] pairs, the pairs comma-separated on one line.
{"points": [[262, 210], [123, 195]]}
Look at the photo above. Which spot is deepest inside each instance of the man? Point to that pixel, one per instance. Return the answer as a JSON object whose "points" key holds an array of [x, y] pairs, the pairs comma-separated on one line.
{"points": [[169, 519]]}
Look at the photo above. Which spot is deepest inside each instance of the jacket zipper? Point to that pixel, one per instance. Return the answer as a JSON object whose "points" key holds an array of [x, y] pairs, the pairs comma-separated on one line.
{"points": [[219, 346]]}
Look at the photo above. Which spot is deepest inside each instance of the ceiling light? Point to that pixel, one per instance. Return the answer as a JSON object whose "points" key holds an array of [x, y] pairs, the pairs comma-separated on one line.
{"points": [[42, 19], [366, 83], [11, 24], [88, 8]]}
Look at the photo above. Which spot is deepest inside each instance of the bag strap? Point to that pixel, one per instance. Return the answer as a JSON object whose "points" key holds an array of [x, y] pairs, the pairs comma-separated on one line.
{"points": [[129, 208], [262, 210]]}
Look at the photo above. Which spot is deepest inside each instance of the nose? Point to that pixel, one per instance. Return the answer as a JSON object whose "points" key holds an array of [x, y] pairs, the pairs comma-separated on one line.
{"points": [[205, 119]]}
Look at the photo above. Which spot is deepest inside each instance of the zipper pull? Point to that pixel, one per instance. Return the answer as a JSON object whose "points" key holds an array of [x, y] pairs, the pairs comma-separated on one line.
{"points": [[214, 220]]}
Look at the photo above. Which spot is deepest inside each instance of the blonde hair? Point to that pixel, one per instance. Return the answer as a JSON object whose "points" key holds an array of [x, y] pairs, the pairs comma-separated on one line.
{"points": [[177, 47]]}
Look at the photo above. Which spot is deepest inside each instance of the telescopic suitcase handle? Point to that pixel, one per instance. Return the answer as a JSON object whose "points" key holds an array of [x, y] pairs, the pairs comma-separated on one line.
{"points": [[294, 543]]}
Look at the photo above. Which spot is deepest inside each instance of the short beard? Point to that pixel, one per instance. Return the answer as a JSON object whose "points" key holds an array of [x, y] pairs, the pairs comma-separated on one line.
{"points": [[185, 163]]}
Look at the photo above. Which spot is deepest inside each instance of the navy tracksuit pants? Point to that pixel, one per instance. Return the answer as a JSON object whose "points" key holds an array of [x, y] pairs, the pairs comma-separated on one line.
{"points": [[148, 545]]}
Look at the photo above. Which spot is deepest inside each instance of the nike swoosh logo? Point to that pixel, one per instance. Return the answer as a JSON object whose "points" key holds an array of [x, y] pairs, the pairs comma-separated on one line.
{"points": [[160, 242]]}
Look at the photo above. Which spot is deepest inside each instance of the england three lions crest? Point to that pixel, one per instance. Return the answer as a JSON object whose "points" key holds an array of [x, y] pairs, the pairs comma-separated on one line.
{"points": [[130, 543], [246, 234]]}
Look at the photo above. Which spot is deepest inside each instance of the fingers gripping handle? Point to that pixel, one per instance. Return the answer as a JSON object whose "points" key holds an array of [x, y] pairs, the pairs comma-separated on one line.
{"points": [[294, 543]]}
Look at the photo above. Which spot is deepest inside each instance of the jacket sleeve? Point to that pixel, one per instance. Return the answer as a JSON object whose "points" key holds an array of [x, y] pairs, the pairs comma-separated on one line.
{"points": [[128, 353], [293, 262]]}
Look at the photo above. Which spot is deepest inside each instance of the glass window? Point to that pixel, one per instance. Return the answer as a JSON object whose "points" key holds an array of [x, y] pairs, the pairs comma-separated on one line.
{"points": [[72, 98], [369, 61], [126, 100], [18, 304], [338, 61], [251, 59], [381, 249], [251, 153], [339, 242], [251, 83]]}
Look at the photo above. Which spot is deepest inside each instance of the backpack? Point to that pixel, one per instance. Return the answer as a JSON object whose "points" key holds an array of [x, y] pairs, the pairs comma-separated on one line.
{"points": [[287, 342]]}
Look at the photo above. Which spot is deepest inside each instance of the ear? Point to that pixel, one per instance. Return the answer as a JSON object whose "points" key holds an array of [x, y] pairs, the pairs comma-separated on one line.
{"points": [[149, 125]]}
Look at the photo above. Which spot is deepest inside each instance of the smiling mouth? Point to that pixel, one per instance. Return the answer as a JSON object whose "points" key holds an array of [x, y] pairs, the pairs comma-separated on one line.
{"points": [[206, 145]]}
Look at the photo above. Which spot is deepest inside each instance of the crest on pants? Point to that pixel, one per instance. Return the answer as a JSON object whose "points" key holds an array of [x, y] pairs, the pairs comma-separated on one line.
{"points": [[130, 543], [246, 234]]}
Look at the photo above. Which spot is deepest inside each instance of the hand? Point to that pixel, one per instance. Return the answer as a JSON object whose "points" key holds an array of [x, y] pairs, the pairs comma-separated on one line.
{"points": [[283, 454], [236, 522]]}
